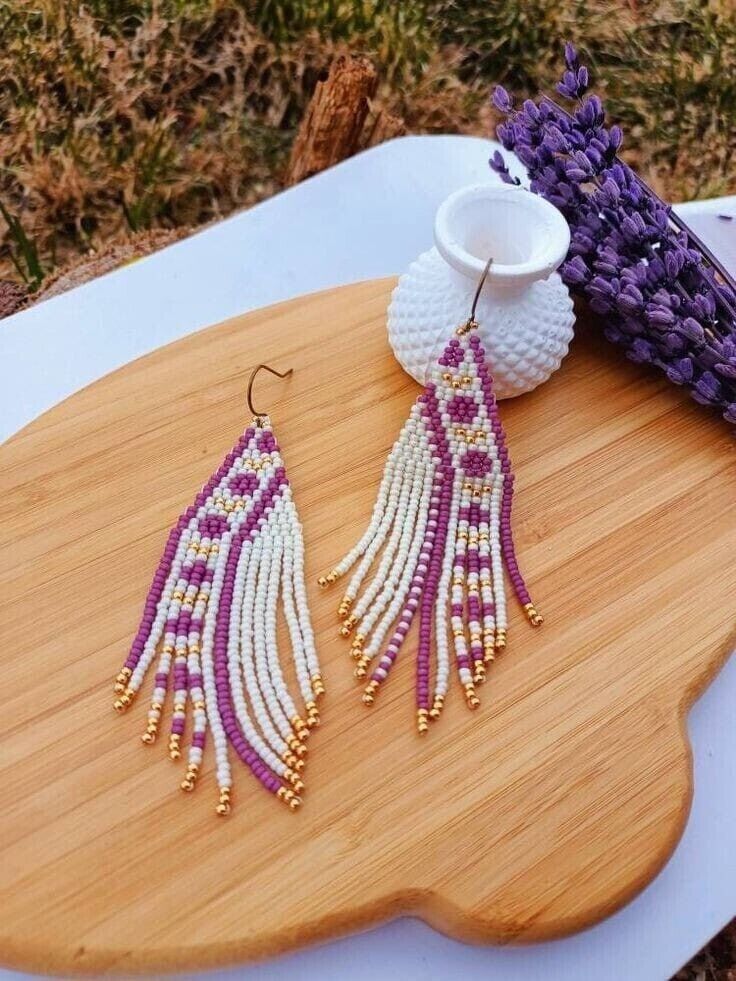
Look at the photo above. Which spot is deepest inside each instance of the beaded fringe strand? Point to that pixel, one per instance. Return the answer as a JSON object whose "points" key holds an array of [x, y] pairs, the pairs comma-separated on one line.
{"points": [[210, 619], [441, 525]]}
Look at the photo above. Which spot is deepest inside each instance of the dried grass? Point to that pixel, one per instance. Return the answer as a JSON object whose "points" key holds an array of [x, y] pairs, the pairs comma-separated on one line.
{"points": [[144, 114]]}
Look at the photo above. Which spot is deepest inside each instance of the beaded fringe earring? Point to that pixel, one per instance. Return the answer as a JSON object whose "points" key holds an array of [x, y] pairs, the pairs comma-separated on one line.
{"points": [[211, 616], [443, 521]]}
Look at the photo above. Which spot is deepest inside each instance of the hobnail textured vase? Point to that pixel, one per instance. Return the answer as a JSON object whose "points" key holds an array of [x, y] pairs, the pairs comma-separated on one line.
{"points": [[524, 311]]}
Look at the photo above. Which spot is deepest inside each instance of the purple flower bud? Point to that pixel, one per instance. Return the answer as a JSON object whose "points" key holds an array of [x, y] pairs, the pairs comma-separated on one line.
{"points": [[568, 87], [575, 272], [726, 369], [555, 138], [604, 287], [708, 388], [680, 372], [501, 99], [595, 158], [641, 351], [582, 78], [691, 329], [630, 229], [505, 133], [531, 111], [615, 137], [673, 344], [628, 304], [598, 304], [659, 316], [571, 55], [581, 244], [730, 413]]}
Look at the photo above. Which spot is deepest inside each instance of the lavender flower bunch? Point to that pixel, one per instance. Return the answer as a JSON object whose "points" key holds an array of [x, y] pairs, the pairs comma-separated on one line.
{"points": [[664, 296]]}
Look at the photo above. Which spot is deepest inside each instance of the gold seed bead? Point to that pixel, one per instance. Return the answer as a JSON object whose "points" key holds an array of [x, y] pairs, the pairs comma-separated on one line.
{"points": [[289, 797], [178, 595], [369, 694], [299, 766], [288, 757], [148, 737], [480, 673], [122, 703], [122, 680], [318, 686], [458, 631], [348, 625], [536, 619], [223, 808], [446, 376], [361, 668], [437, 705], [311, 708], [422, 724], [300, 749], [174, 752], [500, 642], [471, 698]]}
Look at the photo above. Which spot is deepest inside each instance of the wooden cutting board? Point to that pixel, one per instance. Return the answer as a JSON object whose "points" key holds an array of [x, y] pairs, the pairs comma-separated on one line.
{"points": [[536, 816]]}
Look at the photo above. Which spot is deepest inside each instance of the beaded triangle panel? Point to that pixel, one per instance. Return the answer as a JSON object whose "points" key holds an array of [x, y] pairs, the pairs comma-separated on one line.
{"points": [[210, 623], [439, 543]]}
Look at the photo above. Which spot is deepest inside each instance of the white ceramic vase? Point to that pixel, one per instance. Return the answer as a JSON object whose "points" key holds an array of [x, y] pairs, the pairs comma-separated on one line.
{"points": [[524, 311]]}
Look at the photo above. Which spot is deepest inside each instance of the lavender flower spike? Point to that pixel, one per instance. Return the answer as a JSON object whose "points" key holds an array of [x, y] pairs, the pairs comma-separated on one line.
{"points": [[664, 296]]}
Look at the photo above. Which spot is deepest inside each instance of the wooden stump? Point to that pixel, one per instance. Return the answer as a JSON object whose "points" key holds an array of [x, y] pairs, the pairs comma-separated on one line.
{"points": [[333, 124]]}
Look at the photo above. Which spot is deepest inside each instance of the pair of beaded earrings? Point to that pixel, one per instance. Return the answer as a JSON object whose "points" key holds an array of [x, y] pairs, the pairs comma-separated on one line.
{"points": [[439, 537]]}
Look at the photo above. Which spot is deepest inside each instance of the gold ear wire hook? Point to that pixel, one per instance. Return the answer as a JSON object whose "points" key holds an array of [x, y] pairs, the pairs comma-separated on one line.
{"points": [[249, 394], [481, 284], [471, 321]]}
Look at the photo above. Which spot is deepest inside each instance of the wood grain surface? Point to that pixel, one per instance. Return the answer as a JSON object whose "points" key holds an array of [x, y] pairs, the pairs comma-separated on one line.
{"points": [[534, 817]]}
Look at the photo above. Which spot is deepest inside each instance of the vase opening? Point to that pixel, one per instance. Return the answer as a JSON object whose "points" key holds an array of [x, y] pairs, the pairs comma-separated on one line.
{"points": [[526, 236]]}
